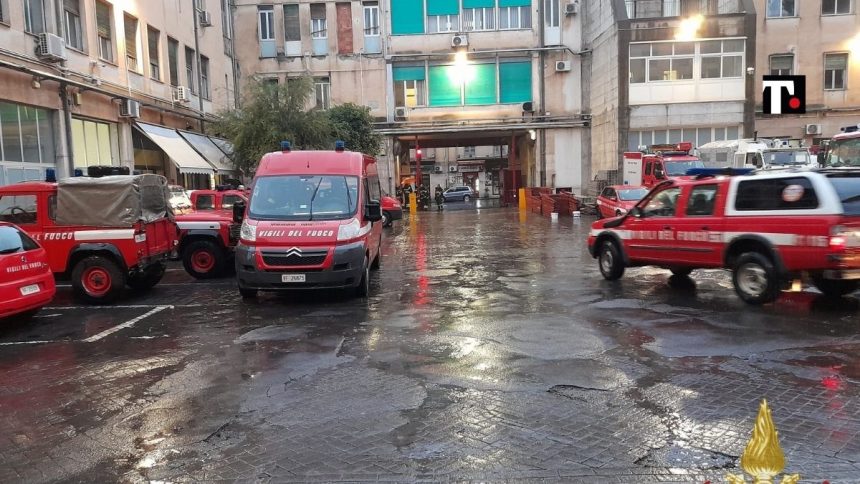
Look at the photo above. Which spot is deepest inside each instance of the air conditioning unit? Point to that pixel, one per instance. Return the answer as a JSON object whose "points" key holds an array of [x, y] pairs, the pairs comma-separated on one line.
{"points": [[129, 109], [461, 40], [205, 18], [437, 169], [51, 47], [452, 169], [562, 66], [571, 9], [181, 95], [528, 107], [813, 129], [401, 112]]}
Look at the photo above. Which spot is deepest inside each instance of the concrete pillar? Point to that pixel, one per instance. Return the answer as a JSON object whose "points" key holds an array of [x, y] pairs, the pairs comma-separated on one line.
{"points": [[126, 146], [62, 157]]}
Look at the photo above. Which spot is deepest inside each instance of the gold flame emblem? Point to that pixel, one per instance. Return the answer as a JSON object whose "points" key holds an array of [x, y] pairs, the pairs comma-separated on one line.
{"points": [[763, 459]]}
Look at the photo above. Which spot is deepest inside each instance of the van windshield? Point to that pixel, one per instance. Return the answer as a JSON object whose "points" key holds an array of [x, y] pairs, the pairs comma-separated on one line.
{"points": [[848, 189], [800, 157], [304, 197], [679, 168]]}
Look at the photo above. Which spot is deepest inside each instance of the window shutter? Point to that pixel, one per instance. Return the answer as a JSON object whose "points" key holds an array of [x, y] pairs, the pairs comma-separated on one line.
{"points": [[131, 36], [835, 61], [444, 91], [443, 7], [515, 3], [103, 19], [408, 73], [317, 10], [292, 25], [407, 17], [482, 88], [72, 6], [515, 82], [782, 62], [479, 3]]}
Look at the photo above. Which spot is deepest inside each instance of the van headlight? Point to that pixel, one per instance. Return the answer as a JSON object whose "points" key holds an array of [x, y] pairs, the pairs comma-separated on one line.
{"points": [[248, 232], [349, 230]]}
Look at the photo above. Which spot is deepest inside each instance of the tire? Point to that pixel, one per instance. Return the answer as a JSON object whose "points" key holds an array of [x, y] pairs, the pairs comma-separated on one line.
{"points": [[835, 288], [755, 279], [363, 288], [610, 261], [148, 278], [377, 261], [203, 259], [386, 219], [681, 271], [97, 280], [466, 198], [248, 293]]}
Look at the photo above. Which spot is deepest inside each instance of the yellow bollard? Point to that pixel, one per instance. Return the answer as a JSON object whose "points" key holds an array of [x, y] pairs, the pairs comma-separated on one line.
{"points": [[413, 203], [521, 196]]}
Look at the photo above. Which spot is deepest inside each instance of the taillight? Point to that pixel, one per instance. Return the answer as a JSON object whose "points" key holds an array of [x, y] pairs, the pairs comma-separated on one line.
{"points": [[837, 243]]}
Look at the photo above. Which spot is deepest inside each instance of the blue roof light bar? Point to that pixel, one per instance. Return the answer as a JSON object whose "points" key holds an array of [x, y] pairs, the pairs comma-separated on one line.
{"points": [[728, 171]]}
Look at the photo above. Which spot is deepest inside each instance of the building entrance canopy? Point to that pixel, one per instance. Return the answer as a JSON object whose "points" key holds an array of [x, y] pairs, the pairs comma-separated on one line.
{"points": [[180, 152]]}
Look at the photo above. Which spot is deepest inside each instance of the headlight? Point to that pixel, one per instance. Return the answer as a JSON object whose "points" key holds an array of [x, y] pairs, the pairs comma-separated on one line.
{"points": [[349, 230], [248, 232]]}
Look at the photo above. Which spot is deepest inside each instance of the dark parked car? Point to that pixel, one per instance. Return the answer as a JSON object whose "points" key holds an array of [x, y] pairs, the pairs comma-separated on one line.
{"points": [[461, 193]]}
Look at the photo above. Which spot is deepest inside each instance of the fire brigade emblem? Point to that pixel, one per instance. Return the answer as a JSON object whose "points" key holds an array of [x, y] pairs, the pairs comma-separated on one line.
{"points": [[792, 193]]}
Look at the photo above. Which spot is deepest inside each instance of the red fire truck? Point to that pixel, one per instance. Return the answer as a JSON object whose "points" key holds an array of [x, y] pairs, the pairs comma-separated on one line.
{"points": [[102, 233], [208, 234], [657, 163]]}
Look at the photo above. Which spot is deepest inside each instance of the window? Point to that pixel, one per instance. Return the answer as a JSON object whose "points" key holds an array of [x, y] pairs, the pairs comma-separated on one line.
{"points": [[27, 134], [781, 65], [515, 18], [551, 13], [479, 19], [173, 60], [103, 25], [371, 18], [229, 200], [834, 71], [702, 200], [267, 22], [152, 36], [409, 86], [671, 61], [407, 17], [206, 202], [319, 29], [608, 193], [443, 23], [722, 59], [18, 209], [189, 70], [13, 240], [292, 26], [515, 81], [652, 8], [94, 143], [130, 24], [204, 77], [72, 31], [794, 193], [322, 93], [835, 7], [34, 16], [670, 69], [468, 152], [781, 8], [226, 27], [662, 204]]}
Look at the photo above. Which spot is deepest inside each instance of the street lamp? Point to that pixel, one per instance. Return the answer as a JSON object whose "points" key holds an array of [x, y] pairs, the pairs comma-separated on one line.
{"points": [[689, 28]]}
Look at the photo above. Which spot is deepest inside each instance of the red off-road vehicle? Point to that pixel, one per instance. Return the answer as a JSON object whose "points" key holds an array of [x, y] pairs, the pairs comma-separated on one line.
{"points": [[102, 233]]}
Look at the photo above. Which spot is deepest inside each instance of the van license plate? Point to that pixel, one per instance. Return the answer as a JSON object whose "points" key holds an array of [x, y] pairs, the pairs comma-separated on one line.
{"points": [[31, 289], [292, 278]]}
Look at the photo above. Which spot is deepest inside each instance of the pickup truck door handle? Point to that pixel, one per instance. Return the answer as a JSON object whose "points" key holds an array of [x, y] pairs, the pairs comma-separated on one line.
{"points": [[706, 228], [667, 227]]}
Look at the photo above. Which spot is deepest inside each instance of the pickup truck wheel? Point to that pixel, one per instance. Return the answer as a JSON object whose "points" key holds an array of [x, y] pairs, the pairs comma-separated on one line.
{"points": [[363, 288], [681, 271], [755, 279], [97, 280], [386, 219], [835, 288], [610, 261], [203, 259], [147, 279]]}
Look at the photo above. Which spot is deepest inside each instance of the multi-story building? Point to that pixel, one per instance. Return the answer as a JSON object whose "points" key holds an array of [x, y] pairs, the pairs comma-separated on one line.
{"points": [[437, 74], [122, 83], [819, 40], [666, 71]]}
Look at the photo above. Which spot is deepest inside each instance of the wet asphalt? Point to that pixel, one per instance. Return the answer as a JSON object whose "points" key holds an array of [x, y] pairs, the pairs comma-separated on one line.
{"points": [[491, 349]]}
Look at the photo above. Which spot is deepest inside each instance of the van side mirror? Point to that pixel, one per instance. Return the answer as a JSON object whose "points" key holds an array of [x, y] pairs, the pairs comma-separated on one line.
{"points": [[239, 211], [636, 212], [373, 211]]}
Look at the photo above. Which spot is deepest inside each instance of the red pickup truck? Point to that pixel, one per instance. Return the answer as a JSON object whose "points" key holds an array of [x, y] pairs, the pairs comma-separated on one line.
{"points": [[767, 229], [102, 233]]}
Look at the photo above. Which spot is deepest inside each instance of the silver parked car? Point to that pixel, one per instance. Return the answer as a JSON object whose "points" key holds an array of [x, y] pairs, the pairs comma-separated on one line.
{"points": [[459, 193]]}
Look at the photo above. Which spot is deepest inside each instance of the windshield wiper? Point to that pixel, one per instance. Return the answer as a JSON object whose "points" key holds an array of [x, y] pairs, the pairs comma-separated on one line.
{"points": [[851, 199], [311, 215], [348, 197], [10, 251]]}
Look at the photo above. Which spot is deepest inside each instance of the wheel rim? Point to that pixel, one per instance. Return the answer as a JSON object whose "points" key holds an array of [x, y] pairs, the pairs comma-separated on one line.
{"points": [[752, 279], [606, 261], [466, 198], [202, 261], [384, 218], [96, 281]]}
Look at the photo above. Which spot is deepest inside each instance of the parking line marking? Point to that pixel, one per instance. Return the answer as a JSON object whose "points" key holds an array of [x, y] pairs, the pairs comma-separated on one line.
{"points": [[125, 325], [11, 343]]}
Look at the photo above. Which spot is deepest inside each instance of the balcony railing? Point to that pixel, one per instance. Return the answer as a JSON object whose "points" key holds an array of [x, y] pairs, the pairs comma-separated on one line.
{"points": [[639, 9]]}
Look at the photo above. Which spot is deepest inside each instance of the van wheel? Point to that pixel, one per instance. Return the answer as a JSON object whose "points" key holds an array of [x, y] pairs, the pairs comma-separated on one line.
{"points": [[754, 278], [148, 278], [386, 219], [834, 288], [203, 259], [97, 280], [610, 261], [363, 288]]}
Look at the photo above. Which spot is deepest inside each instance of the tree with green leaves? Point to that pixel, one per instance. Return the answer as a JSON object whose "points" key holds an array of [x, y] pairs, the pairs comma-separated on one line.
{"points": [[271, 113]]}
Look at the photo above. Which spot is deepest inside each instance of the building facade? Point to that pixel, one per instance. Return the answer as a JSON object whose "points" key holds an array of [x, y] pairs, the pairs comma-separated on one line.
{"points": [[666, 71], [818, 40], [119, 83]]}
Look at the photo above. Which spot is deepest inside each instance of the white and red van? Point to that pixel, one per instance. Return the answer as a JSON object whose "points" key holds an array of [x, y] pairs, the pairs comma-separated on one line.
{"points": [[313, 221]]}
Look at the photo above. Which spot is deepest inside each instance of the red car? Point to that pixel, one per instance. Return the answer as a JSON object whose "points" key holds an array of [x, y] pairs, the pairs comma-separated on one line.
{"points": [[616, 200], [391, 210], [26, 280]]}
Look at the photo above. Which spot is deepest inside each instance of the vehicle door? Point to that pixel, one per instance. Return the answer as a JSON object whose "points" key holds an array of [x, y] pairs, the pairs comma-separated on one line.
{"points": [[603, 201], [699, 225], [22, 210], [652, 228], [648, 173]]}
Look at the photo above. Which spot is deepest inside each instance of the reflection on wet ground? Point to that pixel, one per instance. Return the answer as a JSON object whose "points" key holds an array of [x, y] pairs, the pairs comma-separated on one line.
{"points": [[491, 349]]}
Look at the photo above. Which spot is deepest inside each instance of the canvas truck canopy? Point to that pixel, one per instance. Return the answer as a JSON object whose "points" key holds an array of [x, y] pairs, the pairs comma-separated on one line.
{"points": [[112, 201]]}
